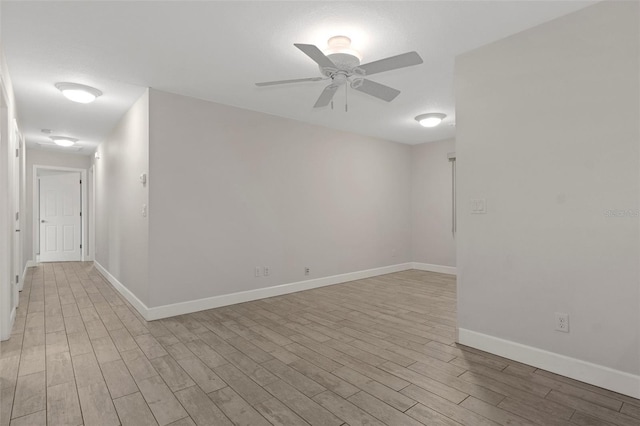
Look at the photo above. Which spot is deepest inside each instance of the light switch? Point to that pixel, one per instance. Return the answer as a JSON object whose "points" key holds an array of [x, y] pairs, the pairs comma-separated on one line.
{"points": [[144, 210], [479, 206], [143, 178]]}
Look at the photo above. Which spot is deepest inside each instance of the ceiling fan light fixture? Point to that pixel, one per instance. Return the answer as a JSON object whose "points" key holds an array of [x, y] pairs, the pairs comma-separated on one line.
{"points": [[431, 119], [64, 141], [341, 45], [79, 92]]}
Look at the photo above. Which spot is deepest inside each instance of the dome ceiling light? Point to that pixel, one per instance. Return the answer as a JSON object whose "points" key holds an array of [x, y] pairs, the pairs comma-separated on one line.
{"points": [[79, 92], [63, 140], [431, 119]]}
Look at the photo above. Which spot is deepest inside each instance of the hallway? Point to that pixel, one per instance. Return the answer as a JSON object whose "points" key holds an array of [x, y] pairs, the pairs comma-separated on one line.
{"points": [[80, 354]]}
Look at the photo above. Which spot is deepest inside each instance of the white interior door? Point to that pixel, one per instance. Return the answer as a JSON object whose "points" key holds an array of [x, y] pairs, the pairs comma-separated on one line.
{"points": [[60, 218]]}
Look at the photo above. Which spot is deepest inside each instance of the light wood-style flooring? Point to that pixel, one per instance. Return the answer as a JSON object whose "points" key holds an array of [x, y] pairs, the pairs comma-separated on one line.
{"points": [[378, 351]]}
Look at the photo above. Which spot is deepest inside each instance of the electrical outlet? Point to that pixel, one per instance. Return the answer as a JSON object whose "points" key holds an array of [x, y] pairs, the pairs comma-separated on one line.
{"points": [[265, 271], [479, 206], [562, 322], [307, 271], [257, 271]]}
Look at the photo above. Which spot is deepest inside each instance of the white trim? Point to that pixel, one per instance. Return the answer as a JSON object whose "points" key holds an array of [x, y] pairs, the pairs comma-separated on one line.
{"points": [[261, 293], [451, 270], [92, 214], [187, 307], [594, 374], [12, 319], [36, 201], [29, 264], [124, 291], [7, 230]]}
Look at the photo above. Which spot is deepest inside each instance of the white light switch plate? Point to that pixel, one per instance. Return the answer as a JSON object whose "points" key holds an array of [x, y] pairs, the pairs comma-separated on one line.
{"points": [[479, 206]]}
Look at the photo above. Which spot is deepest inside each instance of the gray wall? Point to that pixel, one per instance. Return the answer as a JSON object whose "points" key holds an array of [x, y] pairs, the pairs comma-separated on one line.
{"points": [[122, 233], [53, 159], [547, 133], [233, 189], [431, 204]]}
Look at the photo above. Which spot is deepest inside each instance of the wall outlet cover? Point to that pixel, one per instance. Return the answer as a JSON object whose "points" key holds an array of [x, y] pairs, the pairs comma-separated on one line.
{"points": [[479, 206], [562, 322]]}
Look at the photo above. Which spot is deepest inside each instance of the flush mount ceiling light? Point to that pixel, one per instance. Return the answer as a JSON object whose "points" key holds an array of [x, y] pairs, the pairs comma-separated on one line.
{"points": [[78, 92], [431, 119], [64, 141]]}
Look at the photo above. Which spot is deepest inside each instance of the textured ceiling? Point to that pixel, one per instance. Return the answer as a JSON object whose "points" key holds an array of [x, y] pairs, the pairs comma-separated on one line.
{"points": [[218, 50]]}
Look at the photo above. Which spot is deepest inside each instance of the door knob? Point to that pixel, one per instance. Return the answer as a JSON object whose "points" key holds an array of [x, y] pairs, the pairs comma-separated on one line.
{"points": [[17, 230], [42, 221]]}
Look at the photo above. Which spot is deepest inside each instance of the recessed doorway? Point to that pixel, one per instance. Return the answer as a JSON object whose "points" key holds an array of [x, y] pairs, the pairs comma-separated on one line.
{"points": [[59, 203]]}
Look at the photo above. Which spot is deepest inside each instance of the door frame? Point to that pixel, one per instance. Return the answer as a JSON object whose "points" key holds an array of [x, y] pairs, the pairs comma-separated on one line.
{"points": [[92, 215], [7, 309], [36, 209], [18, 213]]}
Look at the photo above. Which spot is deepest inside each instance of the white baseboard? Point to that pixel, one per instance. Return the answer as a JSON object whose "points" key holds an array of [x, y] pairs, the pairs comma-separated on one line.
{"points": [[451, 270], [7, 331], [23, 276], [181, 308], [261, 293], [29, 264], [594, 374], [124, 291]]}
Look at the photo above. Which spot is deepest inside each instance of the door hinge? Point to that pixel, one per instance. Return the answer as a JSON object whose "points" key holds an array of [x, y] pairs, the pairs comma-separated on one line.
{"points": [[17, 152], [17, 215], [80, 181], [80, 214], [17, 279], [80, 245]]}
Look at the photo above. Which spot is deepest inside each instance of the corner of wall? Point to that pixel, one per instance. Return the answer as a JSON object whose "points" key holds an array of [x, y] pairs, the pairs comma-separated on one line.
{"points": [[122, 233]]}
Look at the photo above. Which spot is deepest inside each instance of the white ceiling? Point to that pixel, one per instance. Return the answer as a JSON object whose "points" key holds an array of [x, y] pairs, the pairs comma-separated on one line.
{"points": [[218, 50]]}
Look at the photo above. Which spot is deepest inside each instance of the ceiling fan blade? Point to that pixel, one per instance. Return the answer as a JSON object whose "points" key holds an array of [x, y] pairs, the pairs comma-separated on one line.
{"points": [[392, 63], [326, 96], [297, 80], [314, 53], [378, 90]]}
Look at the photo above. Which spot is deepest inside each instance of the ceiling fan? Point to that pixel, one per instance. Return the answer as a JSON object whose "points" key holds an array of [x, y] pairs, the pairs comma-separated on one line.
{"points": [[341, 65]]}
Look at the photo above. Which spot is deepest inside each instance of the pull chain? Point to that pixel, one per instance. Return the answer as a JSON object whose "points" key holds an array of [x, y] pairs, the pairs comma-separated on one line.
{"points": [[346, 99]]}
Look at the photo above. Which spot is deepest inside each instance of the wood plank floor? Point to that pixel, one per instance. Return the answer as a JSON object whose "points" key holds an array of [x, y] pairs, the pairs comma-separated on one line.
{"points": [[375, 351]]}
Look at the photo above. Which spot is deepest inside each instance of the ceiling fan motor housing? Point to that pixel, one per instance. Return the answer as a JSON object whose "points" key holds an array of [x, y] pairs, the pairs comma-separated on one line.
{"points": [[343, 61], [341, 54]]}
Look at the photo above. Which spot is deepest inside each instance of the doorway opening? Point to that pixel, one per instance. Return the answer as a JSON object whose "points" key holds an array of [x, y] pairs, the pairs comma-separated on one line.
{"points": [[59, 206]]}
